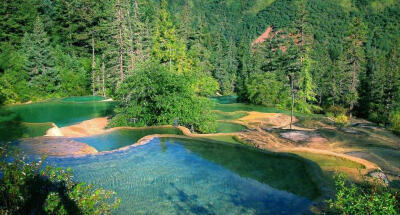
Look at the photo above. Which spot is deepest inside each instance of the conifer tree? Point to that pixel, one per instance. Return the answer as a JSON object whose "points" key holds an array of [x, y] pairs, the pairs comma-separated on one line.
{"points": [[167, 49], [39, 60], [352, 62]]}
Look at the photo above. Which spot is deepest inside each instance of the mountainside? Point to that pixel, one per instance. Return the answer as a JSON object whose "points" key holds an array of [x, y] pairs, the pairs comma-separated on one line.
{"points": [[346, 49]]}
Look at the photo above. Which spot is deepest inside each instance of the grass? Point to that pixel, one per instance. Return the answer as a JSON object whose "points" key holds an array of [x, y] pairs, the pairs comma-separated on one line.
{"points": [[226, 139], [327, 161]]}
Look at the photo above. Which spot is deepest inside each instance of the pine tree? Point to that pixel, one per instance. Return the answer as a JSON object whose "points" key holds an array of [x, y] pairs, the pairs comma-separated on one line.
{"points": [[352, 62], [39, 60], [167, 49]]}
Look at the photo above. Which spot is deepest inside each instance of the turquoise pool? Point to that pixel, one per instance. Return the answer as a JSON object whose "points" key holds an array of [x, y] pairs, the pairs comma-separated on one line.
{"points": [[123, 137], [178, 176], [62, 113]]}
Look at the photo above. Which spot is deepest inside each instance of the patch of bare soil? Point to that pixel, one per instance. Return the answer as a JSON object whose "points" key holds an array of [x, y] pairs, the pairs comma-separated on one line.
{"points": [[54, 146], [269, 120]]}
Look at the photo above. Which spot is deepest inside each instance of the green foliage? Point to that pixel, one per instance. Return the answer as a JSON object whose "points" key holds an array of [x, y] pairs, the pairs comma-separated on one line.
{"points": [[341, 120], [39, 64], [156, 96], [266, 89], [365, 198], [394, 120], [339, 52], [336, 110], [28, 187]]}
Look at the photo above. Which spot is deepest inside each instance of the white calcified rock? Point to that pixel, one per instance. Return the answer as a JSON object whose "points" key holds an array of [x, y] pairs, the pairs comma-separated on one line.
{"points": [[295, 136], [54, 132], [380, 176]]}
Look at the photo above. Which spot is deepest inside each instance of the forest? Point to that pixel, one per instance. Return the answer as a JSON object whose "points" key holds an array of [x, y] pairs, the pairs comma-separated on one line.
{"points": [[162, 62], [340, 55]]}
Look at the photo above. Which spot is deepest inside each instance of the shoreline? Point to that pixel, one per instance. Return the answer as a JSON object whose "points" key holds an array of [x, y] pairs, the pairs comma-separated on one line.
{"points": [[97, 126]]}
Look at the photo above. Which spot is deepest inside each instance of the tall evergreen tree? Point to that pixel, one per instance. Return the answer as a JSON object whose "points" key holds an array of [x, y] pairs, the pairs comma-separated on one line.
{"points": [[39, 60], [352, 62], [167, 49]]}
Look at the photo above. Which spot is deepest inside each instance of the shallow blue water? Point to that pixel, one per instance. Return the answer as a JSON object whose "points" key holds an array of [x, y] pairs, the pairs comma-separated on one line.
{"points": [[123, 137], [177, 176]]}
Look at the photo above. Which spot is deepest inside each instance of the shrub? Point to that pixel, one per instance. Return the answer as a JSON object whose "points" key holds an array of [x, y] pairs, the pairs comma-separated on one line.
{"points": [[365, 198], [341, 120], [336, 111], [157, 96], [26, 187], [395, 121]]}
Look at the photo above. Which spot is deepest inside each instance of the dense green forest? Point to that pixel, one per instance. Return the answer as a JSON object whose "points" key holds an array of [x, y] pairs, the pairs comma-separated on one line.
{"points": [[320, 54]]}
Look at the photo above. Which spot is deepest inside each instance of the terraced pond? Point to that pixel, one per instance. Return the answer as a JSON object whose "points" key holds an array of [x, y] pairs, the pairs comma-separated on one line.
{"points": [[175, 175], [62, 113], [178, 176], [123, 137]]}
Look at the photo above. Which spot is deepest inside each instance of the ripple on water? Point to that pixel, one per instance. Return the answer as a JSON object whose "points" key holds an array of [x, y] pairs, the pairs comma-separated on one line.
{"points": [[177, 176]]}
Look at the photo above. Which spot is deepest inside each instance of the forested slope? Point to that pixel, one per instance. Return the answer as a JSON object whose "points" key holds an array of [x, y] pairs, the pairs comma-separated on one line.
{"points": [[338, 52]]}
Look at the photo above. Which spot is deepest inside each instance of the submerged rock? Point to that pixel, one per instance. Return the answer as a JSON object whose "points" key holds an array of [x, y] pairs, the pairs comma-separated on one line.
{"points": [[55, 146]]}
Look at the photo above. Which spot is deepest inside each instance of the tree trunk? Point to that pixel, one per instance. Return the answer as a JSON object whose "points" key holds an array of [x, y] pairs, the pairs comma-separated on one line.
{"points": [[103, 68], [292, 94], [353, 87], [93, 66], [119, 18], [131, 49]]}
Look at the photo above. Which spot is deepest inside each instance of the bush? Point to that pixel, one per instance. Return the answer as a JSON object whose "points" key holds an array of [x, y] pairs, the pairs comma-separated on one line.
{"points": [[341, 121], [365, 198], [394, 119], [29, 188], [157, 96], [336, 111]]}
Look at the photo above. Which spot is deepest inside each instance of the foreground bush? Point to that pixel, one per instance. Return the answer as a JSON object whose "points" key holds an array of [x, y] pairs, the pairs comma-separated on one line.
{"points": [[365, 198], [29, 188]]}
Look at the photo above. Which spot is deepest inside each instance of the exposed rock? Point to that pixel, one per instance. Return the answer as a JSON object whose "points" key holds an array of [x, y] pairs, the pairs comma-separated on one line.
{"points": [[380, 176], [54, 132], [296, 136], [55, 146]]}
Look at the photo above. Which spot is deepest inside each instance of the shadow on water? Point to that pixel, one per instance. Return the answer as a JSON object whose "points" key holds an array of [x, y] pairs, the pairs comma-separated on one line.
{"points": [[280, 171], [11, 128], [62, 113]]}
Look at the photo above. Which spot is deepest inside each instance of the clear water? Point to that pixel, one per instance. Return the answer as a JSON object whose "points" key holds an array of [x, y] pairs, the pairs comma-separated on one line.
{"points": [[228, 127], [123, 137], [176, 176], [225, 99], [61, 113], [229, 116]]}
